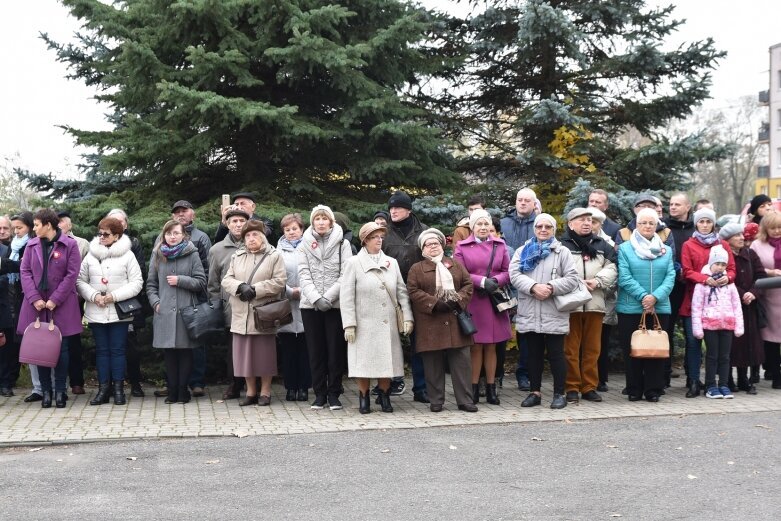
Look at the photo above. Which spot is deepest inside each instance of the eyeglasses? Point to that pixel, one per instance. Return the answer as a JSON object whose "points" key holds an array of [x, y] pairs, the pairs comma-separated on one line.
{"points": [[543, 227], [104, 235], [173, 234], [375, 237], [647, 223], [431, 244]]}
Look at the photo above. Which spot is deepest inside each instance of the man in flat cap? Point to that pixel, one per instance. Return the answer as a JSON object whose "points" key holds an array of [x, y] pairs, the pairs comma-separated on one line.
{"points": [[244, 201]]}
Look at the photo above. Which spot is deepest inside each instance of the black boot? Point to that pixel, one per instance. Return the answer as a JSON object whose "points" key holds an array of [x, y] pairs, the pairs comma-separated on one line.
{"points": [[475, 393], [119, 393], [184, 395], [385, 402], [694, 389], [490, 394], [46, 401], [102, 395], [136, 390], [364, 403], [731, 383], [59, 399]]}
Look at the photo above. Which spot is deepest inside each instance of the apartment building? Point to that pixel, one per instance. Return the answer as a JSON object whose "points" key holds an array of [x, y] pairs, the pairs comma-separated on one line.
{"points": [[769, 176]]}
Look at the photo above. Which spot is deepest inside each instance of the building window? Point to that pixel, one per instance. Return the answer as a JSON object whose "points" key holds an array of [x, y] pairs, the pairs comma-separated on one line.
{"points": [[764, 189], [778, 118], [778, 192]]}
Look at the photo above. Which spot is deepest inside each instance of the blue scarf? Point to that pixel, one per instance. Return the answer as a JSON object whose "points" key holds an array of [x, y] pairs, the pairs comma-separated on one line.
{"points": [[533, 252], [296, 242], [172, 252], [708, 239], [17, 243]]}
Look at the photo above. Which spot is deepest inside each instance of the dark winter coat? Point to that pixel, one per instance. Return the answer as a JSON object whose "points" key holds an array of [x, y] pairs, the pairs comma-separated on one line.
{"points": [[748, 349], [404, 249]]}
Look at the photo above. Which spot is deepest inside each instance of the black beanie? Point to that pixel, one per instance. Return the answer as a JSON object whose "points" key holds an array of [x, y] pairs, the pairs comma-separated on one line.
{"points": [[758, 201], [400, 200]]}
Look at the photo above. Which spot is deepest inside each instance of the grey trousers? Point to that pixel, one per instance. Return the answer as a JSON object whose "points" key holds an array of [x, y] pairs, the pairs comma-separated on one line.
{"points": [[459, 360]]}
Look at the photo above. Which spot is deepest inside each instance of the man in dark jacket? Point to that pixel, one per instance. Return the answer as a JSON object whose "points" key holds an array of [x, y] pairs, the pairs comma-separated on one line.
{"points": [[681, 227], [598, 198], [517, 228], [401, 243], [645, 201], [244, 201]]}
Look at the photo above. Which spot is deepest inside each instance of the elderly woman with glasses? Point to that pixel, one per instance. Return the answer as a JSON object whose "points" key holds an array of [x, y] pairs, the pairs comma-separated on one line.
{"points": [[538, 321], [439, 287], [109, 273], [645, 279], [370, 292]]}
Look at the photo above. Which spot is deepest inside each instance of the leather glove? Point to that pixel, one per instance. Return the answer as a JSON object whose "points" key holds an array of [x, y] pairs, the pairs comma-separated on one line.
{"points": [[349, 334], [323, 304], [490, 285], [408, 327], [245, 292], [453, 306], [441, 307]]}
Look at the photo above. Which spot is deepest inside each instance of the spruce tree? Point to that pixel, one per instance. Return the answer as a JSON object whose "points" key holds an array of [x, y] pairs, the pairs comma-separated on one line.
{"points": [[290, 96], [551, 85]]}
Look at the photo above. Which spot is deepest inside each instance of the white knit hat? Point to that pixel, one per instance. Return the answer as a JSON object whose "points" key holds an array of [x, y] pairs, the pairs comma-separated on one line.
{"points": [[321, 208], [718, 254], [476, 216]]}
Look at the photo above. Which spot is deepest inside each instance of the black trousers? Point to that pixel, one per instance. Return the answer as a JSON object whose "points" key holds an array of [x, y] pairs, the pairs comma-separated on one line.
{"points": [[295, 360], [327, 350], [9, 360], [603, 363], [717, 347], [76, 362], [133, 358], [676, 299], [178, 368], [772, 362], [538, 344], [644, 376]]}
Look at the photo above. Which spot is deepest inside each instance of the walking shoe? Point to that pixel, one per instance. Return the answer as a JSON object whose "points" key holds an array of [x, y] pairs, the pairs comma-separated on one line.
{"points": [[163, 391], [376, 389], [572, 397], [592, 396], [397, 388], [602, 387], [523, 384], [198, 392], [33, 397], [421, 397], [333, 403], [713, 392], [319, 402], [531, 400], [559, 402], [77, 389], [726, 392]]}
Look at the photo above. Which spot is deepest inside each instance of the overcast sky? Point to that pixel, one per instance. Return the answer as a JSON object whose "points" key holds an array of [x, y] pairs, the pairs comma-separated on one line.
{"points": [[36, 97]]}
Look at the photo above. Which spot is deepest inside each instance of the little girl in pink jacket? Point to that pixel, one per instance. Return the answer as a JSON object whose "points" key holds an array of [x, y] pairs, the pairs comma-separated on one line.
{"points": [[716, 314]]}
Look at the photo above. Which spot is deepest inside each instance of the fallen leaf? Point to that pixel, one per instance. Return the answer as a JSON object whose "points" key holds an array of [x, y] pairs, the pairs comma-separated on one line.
{"points": [[615, 515], [567, 420], [691, 477], [59, 460], [240, 434], [722, 434], [219, 401], [678, 448], [453, 447], [36, 449], [535, 438], [384, 451], [212, 461], [131, 458], [730, 463], [612, 446], [762, 426]]}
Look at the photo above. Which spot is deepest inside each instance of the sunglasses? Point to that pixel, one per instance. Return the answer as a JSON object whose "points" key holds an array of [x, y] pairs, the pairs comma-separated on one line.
{"points": [[104, 235]]}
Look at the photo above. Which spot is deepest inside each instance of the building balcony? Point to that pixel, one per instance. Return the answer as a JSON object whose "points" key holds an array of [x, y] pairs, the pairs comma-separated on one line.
{"points": [[764, 97], [763, 136], [763, 172]]}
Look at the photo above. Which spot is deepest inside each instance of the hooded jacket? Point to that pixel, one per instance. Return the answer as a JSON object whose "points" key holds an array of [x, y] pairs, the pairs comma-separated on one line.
{"points": [[114, 270], [716, 310]]}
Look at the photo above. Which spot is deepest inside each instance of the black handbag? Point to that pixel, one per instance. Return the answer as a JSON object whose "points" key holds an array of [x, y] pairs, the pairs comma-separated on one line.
{"points": [[130, 308], [465, 322], [205, 321], [501, 299]]}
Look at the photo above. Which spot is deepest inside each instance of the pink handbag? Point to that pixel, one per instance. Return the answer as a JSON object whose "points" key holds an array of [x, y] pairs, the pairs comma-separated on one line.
{"points": [[41, 344]]}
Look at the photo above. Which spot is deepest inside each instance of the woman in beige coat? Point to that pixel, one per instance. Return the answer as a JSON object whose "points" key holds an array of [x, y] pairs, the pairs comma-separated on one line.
{"points": [[371, 289], [256, 275]]}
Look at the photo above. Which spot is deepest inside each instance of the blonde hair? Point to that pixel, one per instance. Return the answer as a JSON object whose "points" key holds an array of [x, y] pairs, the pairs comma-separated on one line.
{"points": [[770, 220]]}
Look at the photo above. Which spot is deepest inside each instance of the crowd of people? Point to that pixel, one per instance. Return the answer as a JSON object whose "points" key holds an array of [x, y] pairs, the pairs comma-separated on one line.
{"points": [[352, 306]]}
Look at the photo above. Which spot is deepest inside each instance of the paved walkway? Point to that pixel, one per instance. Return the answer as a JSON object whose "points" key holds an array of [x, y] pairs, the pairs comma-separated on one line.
{"points": [[28, 424]]}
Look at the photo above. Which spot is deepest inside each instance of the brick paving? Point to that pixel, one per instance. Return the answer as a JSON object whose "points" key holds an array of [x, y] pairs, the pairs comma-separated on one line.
{"points": [[28, 424]]}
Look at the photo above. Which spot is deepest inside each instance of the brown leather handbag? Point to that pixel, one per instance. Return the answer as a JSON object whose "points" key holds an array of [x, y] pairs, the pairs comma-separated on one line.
{"points": [[272, 315], [650, 343]]}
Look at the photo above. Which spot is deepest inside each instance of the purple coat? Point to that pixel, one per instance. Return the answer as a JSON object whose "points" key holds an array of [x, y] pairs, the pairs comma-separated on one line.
{"points": [[64, 265], [491, 327]]}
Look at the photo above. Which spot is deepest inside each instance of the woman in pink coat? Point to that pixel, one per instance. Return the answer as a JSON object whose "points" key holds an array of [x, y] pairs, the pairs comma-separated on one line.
{"points": [[768, 249], [485, 258]]}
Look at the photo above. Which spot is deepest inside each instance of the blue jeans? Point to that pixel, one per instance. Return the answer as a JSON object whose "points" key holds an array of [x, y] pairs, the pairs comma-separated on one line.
{"points": [[522, 369], [416, 365], [198, 376], [60, 371], [110, 347], [693, 351]]}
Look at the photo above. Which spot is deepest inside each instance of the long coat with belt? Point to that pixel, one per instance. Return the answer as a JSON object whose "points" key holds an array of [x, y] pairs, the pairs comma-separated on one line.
{"points": [[748, 350], [268, 281], [437, 330], [492, 327], [169, 330], [63, 270], [771, 298], [366, 305]]}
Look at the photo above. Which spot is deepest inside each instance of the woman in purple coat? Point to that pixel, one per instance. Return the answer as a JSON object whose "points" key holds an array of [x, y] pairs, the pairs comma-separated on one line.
{"points": [[485, 258], [50, 267]]}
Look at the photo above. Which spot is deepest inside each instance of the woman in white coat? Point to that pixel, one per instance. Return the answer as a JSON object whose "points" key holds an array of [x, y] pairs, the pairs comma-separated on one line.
{"points": [[109, 273], [371, 289]]}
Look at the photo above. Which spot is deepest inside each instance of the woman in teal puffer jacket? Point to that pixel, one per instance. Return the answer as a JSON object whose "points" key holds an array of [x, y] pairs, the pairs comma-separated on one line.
{"points": [[645, 279]]}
